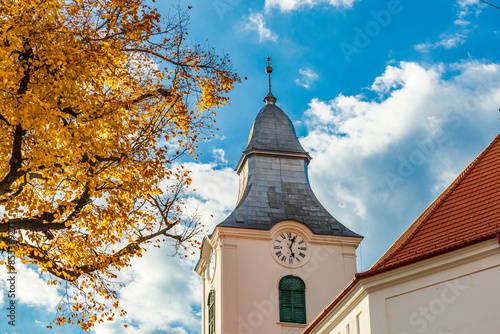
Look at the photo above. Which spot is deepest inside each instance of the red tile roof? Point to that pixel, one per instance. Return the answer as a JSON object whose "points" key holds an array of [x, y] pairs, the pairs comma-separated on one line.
{"points": [[468, 211]]}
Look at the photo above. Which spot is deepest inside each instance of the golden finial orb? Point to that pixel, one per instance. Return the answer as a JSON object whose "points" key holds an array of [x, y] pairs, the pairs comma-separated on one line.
{"points": [[269, 68]]}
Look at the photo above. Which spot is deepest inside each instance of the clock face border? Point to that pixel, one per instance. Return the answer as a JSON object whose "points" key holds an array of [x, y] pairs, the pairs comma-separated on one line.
{"points": [[297, 243]]}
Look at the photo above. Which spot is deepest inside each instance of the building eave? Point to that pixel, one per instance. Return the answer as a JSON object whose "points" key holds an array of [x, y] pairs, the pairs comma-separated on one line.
{"points": [[373, 272]]}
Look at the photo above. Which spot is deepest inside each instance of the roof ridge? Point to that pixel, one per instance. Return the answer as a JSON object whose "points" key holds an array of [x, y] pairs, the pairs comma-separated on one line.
{"points": [[420, 221], [447, 249]]}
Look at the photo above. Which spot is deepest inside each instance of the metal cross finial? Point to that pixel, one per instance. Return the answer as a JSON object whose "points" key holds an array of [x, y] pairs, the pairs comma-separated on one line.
{"points": [[269, 70], [269, 99]]}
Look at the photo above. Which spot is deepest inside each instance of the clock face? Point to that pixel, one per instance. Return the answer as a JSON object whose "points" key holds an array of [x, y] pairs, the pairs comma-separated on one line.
{"points": [[290, 249], [211, 266]]}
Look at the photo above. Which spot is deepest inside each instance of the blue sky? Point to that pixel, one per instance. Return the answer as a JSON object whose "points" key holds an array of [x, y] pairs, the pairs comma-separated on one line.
{"points": [[393, 99]]}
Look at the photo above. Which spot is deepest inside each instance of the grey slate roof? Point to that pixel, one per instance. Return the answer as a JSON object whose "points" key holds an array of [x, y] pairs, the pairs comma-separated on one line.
{"points": [[273, 180], [272, 130]]}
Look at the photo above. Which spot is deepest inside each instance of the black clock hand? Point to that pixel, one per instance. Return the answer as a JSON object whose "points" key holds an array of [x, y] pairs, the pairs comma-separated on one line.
{"points": [[292, 254]]}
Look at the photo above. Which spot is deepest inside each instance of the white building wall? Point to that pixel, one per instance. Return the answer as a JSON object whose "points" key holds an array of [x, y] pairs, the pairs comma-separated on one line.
{"points": [[459, 294], [455, 293], [246, 278], [209, 284], [352, 317]]}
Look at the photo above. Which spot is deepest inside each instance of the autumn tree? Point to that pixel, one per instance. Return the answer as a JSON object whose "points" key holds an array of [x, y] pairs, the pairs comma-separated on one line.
{"points": [[97, 100]]}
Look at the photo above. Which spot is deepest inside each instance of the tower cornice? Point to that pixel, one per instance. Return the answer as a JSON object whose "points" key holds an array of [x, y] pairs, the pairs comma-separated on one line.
{"points": [[277, 154]]}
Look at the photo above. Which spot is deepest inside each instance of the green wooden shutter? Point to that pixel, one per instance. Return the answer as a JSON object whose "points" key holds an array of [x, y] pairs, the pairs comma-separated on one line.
{"points": [[286, 309], [211, 312], [292, 300], [299, 307]]}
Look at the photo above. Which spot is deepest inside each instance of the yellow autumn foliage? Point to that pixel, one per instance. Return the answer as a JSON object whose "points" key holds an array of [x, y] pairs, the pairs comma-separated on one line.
{"points": [[97, 100]]}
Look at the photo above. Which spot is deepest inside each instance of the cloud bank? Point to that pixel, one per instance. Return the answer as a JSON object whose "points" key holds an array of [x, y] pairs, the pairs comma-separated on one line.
{"points": [[291, 5], [381, 157]]}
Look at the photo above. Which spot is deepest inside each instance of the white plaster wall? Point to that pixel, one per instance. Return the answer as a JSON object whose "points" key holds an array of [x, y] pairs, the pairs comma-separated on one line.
{"points": [[455, 293], [462, 298], [247, 280], [212, 284], [354, 312]]}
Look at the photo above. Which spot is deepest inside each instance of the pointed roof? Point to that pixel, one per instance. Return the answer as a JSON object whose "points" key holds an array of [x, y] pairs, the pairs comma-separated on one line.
{"points": [[272, 130], [274, 185], [467, 212], [280, 190]]}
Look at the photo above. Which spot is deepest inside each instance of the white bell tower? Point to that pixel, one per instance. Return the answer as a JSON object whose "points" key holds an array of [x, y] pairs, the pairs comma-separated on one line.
{"points": [[280, 257]]}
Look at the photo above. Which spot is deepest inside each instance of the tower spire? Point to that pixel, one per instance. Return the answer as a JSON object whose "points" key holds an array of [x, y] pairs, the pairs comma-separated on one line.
{"points": [[269, 99]]}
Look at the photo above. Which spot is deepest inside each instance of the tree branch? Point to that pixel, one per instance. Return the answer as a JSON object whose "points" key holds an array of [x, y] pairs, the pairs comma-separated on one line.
{"points": [[45, 221], [71, 274], [2, 118], [15, 162]]}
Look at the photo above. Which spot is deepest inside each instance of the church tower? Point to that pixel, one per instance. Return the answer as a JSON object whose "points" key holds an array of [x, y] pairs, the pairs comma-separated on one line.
{"points": [[280, 257]]}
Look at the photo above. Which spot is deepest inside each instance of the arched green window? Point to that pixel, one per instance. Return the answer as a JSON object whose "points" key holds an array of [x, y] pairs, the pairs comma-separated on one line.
{"points": [[292, 298], [211, 312]]}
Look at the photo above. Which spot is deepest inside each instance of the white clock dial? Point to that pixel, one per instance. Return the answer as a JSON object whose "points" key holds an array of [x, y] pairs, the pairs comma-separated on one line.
{"points": [[211, 265], [289, 248]]}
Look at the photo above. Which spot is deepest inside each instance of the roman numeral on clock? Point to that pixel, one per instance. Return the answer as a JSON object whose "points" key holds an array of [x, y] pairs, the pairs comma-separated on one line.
{"points": [[289, 249]]}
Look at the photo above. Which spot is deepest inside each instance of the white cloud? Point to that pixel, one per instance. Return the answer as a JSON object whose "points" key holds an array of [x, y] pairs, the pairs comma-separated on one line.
{"points": [[414, 96], [458, 37], [379, 161], [451, 41], [467, 3], [219, 155], [161, 292], [307, 79], [289, 5], [354, 141], [347, 199], [468, 7], [460, 22], [31, 288], [258, 23], [423, 47], [446, 41], [216, 189]]}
